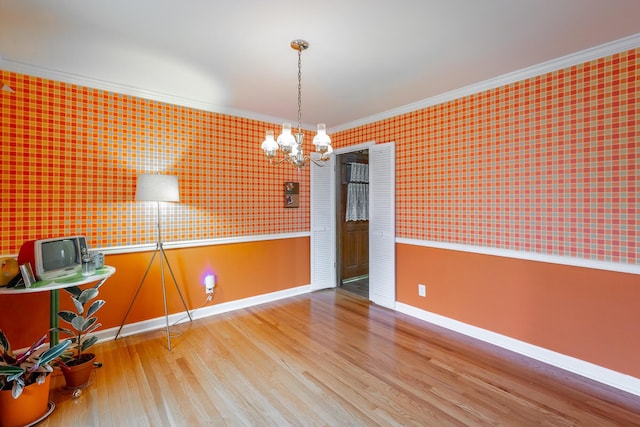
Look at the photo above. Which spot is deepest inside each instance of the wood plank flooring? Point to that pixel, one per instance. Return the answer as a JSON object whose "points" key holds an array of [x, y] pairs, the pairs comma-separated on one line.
{"points": [[328, 358]]}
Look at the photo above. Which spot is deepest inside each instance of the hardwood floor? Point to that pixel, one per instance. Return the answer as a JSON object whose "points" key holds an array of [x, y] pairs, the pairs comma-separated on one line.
{"points": [[328, 358]]}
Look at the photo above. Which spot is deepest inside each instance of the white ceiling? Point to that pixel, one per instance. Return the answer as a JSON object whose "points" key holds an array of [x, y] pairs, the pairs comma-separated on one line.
{"points": [[365, 56]]}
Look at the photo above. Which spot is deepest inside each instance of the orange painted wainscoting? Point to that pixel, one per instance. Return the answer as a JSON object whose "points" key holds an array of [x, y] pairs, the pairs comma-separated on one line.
{"points": [[242, 270], [592, 315]]}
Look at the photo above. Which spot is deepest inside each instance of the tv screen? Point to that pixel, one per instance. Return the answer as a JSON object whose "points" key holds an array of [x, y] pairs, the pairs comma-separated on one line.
{"points": [[59, 254], [53, 257]]}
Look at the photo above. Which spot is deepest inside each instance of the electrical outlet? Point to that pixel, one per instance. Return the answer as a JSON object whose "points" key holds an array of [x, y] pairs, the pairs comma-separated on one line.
{"points": [[209, 283], [422, 290]]}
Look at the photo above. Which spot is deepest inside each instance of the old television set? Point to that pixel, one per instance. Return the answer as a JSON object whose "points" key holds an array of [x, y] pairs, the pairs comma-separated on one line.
{"points": [[54, 257]]}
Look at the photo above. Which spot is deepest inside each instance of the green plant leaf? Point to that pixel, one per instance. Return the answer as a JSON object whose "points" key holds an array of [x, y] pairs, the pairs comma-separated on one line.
{"points": [[88, 322], [16, 391], [88, 294], [17, 376], [88, 342], [95, 306], [77, 323], [74, 290], [67, 316], [79, 306], [10, 370], [93, 328], [54, 352], [63, 330], [4, 343]]}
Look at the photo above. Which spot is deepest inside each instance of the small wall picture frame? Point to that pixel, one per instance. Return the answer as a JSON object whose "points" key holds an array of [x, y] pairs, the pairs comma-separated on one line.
{"points": [[27, 275], [291, 194]]}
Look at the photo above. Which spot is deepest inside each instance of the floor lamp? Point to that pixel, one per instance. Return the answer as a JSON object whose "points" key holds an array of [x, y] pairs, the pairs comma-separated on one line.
{"points": [[158, 188]]}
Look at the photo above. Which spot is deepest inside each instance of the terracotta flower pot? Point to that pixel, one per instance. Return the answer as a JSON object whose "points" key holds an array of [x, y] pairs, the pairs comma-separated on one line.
{"points": [[32, 405], [77, 375]]}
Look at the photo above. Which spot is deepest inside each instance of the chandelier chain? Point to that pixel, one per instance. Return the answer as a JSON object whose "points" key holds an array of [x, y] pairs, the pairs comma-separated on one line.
{"points": [[299, 90]]}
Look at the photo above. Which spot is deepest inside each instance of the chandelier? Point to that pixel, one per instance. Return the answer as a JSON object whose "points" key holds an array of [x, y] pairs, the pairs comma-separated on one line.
{"points": [[291, 145]]}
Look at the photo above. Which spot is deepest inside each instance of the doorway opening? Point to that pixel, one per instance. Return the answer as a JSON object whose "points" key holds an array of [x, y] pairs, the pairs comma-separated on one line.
{"points": [[352, 218]]}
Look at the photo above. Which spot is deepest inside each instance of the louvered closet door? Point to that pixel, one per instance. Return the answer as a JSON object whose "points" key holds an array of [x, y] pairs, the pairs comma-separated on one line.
{"points": [[382, 236], [323, 226]]}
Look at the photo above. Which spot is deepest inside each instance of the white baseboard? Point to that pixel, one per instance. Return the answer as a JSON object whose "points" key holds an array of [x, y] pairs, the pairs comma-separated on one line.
{"points": [[589, 370], [199, 313]]}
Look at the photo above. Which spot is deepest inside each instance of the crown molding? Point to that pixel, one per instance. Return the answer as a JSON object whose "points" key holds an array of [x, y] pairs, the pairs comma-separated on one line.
{"points": [[606, 49], [76, 79], [621, 45]]}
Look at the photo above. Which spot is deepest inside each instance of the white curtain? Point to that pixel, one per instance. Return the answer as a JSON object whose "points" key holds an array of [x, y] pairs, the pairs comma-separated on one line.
{"points": [[358, 193]]}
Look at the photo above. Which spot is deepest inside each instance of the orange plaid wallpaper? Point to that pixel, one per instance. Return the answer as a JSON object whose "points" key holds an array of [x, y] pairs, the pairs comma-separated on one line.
{"points": [[549, 165], [71, 154], [546, 165]]}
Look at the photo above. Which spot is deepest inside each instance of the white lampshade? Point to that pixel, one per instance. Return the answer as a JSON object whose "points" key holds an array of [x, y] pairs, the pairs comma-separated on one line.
{"points": [[157, 188], [322, 140], [269, 145], [286, 138]]}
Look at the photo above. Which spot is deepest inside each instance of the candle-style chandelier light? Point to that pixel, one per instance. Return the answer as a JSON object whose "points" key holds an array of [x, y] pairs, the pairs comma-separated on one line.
{"points": [[291, 145]]}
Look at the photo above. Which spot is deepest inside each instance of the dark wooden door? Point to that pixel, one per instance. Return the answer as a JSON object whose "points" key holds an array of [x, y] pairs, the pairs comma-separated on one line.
{"points": [[355, 249], [354, 235]]}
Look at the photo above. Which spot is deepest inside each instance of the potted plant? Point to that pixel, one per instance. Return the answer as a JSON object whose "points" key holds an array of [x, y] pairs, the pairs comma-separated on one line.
{"points": [[24, 380], [75, 363]]}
